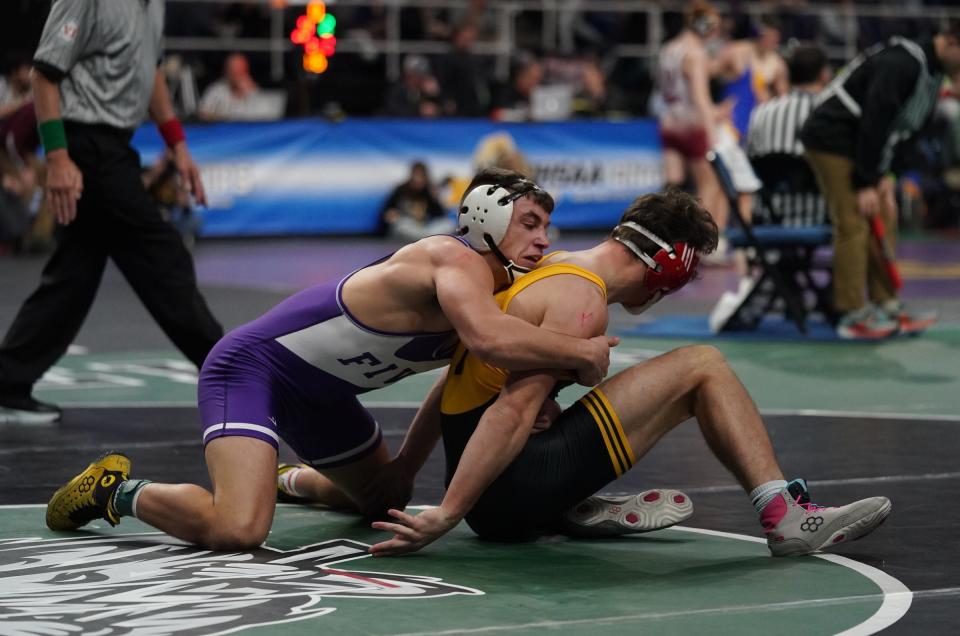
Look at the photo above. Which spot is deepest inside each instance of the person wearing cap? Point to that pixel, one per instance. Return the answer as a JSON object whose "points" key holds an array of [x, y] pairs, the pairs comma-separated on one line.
{"points": [[95, 78], [518, 468], [295, 373]]}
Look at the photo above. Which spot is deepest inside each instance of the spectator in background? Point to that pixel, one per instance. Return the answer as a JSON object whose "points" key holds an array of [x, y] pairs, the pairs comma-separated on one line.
{"points": [[15, 89], [176, 208], [515, 100], [21, 193], [413, 211], [882, 98], [18, 144], [417, 95], [494, 150], [16, 188], [753, 71], [687, 114], [585, 77], [774, 147], [233, 96], [466, 85], [500, 150]]}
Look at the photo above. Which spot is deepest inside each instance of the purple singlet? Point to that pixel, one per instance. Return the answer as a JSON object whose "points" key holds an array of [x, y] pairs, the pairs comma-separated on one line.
{"points": [[295, 372]]}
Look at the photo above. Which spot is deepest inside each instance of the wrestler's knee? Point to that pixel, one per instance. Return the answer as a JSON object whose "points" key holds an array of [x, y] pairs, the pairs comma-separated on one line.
{"points": [[701, 357], [237, 533]]}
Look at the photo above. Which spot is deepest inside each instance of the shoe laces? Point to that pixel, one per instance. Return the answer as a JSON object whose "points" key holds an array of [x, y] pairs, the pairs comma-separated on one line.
{"points": [[809, 507]]}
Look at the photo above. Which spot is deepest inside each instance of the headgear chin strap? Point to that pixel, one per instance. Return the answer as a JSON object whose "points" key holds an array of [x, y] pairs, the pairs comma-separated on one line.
{"points": [[668, 270], [485, 215]]}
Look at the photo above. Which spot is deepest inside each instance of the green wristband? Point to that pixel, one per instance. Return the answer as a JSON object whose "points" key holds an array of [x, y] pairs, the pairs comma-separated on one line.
{"points": [[52, 135]]}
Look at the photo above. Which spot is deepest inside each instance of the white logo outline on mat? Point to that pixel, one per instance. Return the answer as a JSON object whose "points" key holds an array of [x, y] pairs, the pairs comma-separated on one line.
{"points": [[153, 585]]}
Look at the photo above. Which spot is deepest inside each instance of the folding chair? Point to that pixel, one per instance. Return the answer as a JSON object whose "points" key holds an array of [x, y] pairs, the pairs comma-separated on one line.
{"points": [[782, 254]]}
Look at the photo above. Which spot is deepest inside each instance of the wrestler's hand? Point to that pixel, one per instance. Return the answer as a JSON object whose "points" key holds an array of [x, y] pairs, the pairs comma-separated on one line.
{"points": [[410, 533], [595, 371], [545, 418], [391, 487]]}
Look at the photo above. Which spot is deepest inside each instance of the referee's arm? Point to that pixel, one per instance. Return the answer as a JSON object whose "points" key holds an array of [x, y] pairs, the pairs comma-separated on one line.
{"points": [[65, 37], [64, 183], [161, 111]]}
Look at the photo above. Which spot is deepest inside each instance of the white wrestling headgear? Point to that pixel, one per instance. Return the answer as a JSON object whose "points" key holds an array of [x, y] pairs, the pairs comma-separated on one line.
{"points": [[484, 217]]}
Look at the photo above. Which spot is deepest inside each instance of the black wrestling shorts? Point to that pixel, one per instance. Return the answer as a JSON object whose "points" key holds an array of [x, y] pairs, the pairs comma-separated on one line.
{"points": [[584, 450]]}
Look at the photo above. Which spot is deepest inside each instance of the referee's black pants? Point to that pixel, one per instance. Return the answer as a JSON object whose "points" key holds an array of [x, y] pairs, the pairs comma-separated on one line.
{"points": [[116, 218]]}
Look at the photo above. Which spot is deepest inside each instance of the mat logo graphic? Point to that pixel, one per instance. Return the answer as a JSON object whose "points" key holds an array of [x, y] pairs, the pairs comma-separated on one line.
{"points": [[153, 585]]}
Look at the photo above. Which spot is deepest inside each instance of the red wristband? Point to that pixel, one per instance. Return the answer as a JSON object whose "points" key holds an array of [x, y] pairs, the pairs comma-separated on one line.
{"points": [[172, 132]]}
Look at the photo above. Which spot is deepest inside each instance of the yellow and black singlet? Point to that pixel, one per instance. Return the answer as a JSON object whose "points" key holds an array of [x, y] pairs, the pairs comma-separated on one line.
{"points": [[585, 449], [471, 383]]}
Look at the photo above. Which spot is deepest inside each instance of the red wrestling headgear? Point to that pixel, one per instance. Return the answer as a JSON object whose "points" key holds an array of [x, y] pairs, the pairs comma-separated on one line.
{"points": [[668, 270]]}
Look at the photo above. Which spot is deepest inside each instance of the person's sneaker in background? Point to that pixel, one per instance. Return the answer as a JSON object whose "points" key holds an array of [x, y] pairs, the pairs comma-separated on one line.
{"points": [[910, 321], [23, 409], [866, 323]]}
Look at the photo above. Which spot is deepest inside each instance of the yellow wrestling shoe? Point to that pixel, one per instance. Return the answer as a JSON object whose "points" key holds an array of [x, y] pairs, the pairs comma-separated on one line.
{"points": [[88, 495]]}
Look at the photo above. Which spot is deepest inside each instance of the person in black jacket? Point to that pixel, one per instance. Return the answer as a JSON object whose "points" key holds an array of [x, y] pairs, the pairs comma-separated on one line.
{"points": [[413, 211], [883, 97]]}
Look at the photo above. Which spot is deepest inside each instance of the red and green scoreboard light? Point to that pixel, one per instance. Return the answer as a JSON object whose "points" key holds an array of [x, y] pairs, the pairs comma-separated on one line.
{"points": [[315, 32]]}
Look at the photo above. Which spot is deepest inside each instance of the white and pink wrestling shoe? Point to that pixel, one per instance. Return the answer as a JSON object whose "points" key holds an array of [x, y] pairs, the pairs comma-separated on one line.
{"points": [[607, 516]]}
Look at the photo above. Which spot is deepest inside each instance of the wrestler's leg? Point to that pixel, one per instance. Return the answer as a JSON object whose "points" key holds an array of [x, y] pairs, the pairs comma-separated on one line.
{"points": [[236, 515], [346, 459], [653, 397]]}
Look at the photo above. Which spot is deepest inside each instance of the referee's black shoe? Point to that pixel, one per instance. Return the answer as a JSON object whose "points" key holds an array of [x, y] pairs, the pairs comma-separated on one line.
{"points": [[23, 409]]}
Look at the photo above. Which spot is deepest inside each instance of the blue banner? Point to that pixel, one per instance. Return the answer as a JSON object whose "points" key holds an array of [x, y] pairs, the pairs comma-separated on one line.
{"points": [[315, 177]]}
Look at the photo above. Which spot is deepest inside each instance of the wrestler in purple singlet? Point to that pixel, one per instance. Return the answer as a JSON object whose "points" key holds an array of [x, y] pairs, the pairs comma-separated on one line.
{"points": [[295, 372]]}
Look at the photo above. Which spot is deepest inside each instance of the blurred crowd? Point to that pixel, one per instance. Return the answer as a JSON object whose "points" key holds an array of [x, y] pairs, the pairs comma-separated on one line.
{"points": [[568, 65], [577, 72], [562, 65]]}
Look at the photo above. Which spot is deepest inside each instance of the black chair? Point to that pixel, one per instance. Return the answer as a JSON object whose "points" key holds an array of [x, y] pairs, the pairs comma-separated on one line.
{"points": [[783, 254]]}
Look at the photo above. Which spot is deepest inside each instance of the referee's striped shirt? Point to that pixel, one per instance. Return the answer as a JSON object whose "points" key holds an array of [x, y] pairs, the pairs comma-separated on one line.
{"points": [[775, 130]]}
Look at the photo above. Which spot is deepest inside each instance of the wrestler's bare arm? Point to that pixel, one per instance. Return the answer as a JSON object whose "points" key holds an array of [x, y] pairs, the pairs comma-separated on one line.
{"points": [[464, 289], [424, 431], [504, 427], [781, 77]]}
